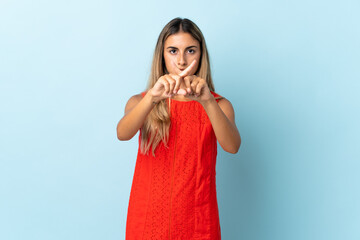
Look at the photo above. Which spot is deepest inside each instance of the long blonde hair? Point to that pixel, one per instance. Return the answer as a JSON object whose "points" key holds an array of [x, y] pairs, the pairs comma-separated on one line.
{"points": [[157, 123]]}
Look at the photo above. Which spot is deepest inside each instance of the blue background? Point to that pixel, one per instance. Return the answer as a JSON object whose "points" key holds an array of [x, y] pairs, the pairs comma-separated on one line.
{"points": [[290, 69]]}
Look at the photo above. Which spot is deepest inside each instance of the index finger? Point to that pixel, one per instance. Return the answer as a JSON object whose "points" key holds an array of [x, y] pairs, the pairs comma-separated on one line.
{"points": [[188, 69]]}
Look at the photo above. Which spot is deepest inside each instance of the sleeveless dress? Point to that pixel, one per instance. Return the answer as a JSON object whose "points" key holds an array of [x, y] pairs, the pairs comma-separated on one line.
{"points": [[173, 195]]}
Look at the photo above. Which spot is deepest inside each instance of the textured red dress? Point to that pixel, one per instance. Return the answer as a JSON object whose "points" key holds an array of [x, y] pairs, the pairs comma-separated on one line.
{"points": [[173, 195]]}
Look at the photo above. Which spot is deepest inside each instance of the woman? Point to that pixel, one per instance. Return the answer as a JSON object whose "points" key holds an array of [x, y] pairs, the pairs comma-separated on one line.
{"points": [[180, 118]]}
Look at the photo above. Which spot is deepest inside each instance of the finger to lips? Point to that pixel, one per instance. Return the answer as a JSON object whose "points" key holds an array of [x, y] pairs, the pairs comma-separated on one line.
{"points": [[188, 69], [186, 72]]}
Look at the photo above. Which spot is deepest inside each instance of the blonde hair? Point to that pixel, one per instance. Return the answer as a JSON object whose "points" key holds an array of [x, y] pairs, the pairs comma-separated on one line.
{"points": [[157, 124]]}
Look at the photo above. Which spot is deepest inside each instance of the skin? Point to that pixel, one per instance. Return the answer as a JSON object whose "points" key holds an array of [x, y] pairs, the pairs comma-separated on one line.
{"points": [[182, 55]]}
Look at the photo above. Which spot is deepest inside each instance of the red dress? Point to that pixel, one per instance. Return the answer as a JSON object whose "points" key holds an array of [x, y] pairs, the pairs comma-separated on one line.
{"points": [[173, 195]]}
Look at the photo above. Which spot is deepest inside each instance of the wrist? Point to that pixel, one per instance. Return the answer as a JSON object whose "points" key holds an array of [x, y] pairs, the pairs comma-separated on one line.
{"points": [[208, 102], [152, 99]]}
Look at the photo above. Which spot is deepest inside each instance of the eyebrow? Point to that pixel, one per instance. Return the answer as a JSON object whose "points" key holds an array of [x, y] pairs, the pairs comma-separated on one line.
{"points": [[185, 48]]}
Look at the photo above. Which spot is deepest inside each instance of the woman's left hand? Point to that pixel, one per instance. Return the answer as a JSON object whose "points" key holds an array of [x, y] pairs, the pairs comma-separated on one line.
{"points": [[199, 89]]}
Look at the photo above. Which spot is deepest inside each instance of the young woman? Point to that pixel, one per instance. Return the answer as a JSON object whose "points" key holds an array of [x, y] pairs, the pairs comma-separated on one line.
{"points": [[180, 118]]}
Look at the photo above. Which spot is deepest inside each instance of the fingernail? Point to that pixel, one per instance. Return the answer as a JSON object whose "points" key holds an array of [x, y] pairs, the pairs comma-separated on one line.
{"points": [[189, 90], [174, 91]]}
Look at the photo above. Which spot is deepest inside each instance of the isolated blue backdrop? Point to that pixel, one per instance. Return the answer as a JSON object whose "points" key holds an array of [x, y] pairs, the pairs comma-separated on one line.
{"points": [[290, 69]]}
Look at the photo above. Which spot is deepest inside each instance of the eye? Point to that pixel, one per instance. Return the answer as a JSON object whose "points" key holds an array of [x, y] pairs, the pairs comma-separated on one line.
{"points": [[191, 51], [171, 51]]}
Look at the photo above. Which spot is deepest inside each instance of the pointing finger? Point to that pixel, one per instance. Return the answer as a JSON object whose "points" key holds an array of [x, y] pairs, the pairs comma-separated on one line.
{"points": [[188, 69]]}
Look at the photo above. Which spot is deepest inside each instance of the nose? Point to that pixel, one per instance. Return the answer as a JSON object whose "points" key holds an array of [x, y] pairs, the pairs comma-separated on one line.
{"points": [[181, 60]]}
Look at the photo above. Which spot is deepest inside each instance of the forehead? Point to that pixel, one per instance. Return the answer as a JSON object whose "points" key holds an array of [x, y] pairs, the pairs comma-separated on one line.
{"points": [[180, 40]]}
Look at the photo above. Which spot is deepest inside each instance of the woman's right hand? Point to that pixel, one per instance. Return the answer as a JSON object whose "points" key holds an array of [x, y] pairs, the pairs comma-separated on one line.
{"points": [[165, 87]]}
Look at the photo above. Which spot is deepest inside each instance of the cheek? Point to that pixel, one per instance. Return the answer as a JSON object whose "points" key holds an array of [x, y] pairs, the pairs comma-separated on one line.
{"points": [[169, 61], [198, 57], [167, 65], [172, 63], [196, 68]]}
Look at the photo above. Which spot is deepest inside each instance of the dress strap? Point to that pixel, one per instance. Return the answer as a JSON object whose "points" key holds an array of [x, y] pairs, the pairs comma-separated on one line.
{"points": [[216, 96], [143, 93]]}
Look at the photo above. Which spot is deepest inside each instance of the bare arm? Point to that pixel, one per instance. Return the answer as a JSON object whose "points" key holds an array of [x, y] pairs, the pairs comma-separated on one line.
{"points": [[222, 118], [136, 111]]}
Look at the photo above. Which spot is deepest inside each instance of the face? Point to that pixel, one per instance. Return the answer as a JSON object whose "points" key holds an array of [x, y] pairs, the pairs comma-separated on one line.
{"points": [[180, 50]]}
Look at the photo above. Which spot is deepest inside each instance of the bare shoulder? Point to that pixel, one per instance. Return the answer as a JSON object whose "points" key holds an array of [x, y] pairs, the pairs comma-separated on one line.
{"points": [[223, 102], [132, 102], [227, 108], [136, 97]]}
